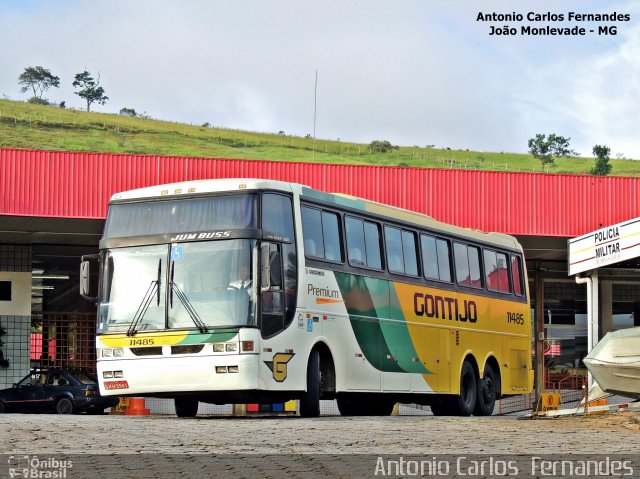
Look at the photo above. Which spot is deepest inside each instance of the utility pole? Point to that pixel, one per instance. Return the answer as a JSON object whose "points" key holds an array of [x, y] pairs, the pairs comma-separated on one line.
{"points": [[315, 109]]}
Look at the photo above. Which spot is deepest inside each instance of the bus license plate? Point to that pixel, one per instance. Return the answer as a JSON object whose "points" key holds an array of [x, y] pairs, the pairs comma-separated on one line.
{"points": [[116, 385]]}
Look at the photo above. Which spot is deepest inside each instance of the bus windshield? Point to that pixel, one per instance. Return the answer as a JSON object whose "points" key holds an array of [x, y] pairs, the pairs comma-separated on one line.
{"points": [[200, 285]]}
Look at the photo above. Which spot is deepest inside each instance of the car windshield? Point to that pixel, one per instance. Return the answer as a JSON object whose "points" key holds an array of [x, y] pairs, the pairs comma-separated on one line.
{"points": [[187, 285]]}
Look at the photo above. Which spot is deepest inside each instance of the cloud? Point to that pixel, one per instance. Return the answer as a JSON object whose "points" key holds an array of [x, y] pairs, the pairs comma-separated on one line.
{"points": [[409, 71]]}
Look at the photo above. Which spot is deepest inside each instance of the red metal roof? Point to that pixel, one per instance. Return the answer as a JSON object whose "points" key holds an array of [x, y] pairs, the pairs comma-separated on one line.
{"points": [[79, 185]]}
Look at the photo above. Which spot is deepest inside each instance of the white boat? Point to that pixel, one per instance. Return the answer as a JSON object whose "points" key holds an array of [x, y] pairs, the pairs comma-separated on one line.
{"points": [[615, 362]]}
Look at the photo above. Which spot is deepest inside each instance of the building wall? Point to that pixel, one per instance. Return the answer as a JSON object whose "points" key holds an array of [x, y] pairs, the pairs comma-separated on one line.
{"points": [[514, 203], [16, 347]]}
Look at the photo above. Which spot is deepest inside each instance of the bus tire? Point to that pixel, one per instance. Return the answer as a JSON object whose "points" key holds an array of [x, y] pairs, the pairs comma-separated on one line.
{"points": [[464, 403], [486, 400], [186, 407], [310, 401]]}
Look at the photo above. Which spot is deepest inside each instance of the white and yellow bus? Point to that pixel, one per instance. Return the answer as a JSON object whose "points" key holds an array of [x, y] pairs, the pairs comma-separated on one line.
{"points": [[245, 290]]}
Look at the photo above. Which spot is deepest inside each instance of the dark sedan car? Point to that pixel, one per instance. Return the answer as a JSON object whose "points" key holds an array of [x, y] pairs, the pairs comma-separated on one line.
{"points": [[55, 390]]}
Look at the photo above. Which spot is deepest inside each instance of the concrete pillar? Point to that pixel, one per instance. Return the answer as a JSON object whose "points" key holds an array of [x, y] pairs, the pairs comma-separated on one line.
{"points": [[538, 332], [606, 307]]}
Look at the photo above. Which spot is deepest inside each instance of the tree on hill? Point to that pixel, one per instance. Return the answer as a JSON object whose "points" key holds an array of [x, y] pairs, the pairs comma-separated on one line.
{"points": [[38, 80], [602, 166], [382, 146], [89, 89], [128, 112], [546, 148]]}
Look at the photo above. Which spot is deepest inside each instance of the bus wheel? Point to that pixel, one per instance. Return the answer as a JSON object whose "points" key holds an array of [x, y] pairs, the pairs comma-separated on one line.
{"points": [[486, 400], [465, 402], [310, 401], [186, 407]]}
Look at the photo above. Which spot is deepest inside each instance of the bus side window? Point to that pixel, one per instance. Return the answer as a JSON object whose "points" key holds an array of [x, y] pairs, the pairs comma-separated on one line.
{"points": [[363, 241], [331, 235], [321, 233], [444, 259], [496, 273], [467, 265], [312, 232], [355, 241], [516, 272], [393, 240]]}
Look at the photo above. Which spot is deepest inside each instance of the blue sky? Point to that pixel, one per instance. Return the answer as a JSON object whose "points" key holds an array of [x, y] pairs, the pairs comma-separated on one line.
{"points": [[421, 72]]}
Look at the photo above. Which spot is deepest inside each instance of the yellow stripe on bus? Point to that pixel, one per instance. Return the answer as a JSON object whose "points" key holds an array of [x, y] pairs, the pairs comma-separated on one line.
{"points": [[143, 339], [328, 301]]}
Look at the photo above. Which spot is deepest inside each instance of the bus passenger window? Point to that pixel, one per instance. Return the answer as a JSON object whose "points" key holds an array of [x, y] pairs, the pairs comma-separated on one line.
{"points": [[467, 265], [495, 271], [331, 236], [363, 240], [372, 241], [444, 259], [312, 232], [474, 267], [409, 253], [402, 256], [393, 241], [429, 257], [355, 240], [321, 233], [516, 271]]}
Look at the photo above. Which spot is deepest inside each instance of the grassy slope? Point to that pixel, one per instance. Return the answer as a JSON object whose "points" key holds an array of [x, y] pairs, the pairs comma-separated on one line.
{"points": [[23, 125]]}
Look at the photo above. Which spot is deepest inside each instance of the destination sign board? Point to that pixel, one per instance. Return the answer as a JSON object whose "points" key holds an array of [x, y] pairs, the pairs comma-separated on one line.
{"points": [[605, 246]]}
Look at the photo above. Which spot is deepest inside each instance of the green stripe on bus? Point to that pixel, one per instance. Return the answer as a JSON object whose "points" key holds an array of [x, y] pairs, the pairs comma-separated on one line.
{"points": [[214, 337], [385, 343], [398, 337]]}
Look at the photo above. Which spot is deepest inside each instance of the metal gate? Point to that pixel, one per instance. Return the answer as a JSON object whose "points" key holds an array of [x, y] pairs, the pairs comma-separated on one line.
{"points": [[63, 340]]}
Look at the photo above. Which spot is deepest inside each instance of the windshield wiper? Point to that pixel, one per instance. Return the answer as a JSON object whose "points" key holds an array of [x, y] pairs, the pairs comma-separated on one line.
{"points": [[154, 288], [191, 311]]}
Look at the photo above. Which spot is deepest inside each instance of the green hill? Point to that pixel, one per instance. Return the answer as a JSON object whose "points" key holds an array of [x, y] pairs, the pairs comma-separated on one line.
{"points": [[24, 125]]}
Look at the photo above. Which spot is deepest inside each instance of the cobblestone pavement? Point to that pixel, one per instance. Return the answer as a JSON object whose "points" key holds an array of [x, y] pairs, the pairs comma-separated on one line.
{"points": [[81, 434]]}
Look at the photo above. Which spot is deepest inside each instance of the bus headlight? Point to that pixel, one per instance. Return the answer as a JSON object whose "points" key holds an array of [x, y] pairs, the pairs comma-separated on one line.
{"points": [[218, 347], [231, 346], [112, 353]]}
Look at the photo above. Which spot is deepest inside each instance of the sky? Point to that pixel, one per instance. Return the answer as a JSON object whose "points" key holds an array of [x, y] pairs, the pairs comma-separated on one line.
{"points": [[413, 72]]}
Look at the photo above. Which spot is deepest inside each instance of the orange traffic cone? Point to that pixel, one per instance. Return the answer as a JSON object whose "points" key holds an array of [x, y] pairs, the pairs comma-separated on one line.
{"points": [[136, 408]]}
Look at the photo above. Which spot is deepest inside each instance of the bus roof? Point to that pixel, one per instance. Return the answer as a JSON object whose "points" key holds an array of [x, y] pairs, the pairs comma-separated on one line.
{"points": [[198, 187]]}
